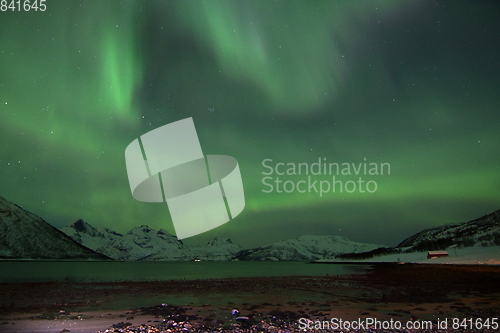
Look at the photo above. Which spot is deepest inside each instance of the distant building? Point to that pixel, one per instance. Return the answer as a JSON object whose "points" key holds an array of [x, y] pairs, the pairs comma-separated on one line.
{"points": [[436, 254]]}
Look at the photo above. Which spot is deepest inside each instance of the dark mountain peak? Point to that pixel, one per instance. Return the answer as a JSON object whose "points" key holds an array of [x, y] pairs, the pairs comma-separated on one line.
{"points": [[219, 241], [80, 225], [493, 217], [163, 232], [27, 236], [142, 229], [484, 230]]}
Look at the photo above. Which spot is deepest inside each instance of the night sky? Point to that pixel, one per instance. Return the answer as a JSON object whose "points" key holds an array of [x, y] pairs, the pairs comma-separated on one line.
{"points": [[414, 84]]}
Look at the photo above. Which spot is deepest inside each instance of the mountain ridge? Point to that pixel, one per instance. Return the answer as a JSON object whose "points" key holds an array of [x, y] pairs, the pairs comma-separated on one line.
{"points": [[305, 248], [145, 243], [483, 231], [27, 236]]}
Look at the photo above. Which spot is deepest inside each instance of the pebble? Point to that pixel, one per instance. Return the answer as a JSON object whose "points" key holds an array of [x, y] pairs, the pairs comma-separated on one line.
{"points": [[262, 326]]}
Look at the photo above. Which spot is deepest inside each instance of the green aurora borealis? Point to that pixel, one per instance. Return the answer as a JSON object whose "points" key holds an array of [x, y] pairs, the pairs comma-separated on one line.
{"points": [[410, 83]]}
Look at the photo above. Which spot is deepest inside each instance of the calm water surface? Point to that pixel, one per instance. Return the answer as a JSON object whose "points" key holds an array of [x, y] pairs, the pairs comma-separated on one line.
{"points": [[76, 271]]}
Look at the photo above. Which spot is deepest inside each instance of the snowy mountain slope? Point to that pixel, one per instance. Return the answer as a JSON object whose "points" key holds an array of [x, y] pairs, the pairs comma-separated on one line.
{"points": [[93, 238], [216, 250], [140, 243], [306, 248], [484, 231], [24, 235], [144, 243]]}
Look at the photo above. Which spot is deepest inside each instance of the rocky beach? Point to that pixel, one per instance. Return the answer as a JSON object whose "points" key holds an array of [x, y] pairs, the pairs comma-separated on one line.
{"points": [[400, 293]]}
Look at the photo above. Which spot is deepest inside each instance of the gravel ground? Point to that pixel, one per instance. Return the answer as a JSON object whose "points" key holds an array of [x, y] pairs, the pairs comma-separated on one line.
{"points": [[271, 304], [263, 326]]}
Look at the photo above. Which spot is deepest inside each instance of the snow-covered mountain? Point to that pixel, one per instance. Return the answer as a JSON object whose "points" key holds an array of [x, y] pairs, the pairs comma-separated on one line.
{"points": [[138, 243], [91, 237], [144, 243], [217, 250], [306, 248], [484, 231], [24, 235]]}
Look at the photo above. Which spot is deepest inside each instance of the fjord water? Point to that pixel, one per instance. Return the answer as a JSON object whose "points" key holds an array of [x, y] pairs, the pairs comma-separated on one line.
{"points": [[106, 271]]}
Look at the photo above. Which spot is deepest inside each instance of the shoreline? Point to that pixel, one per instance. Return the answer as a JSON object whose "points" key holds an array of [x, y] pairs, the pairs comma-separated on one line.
{"points": [[399, 292]]}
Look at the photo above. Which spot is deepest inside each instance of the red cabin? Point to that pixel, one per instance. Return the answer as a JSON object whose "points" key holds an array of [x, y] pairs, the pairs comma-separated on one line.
{"points": [[436, 254]]}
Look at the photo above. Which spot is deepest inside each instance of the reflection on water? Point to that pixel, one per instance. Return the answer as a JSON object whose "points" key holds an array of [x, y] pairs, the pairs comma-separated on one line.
{"points": [[76, 271]]}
